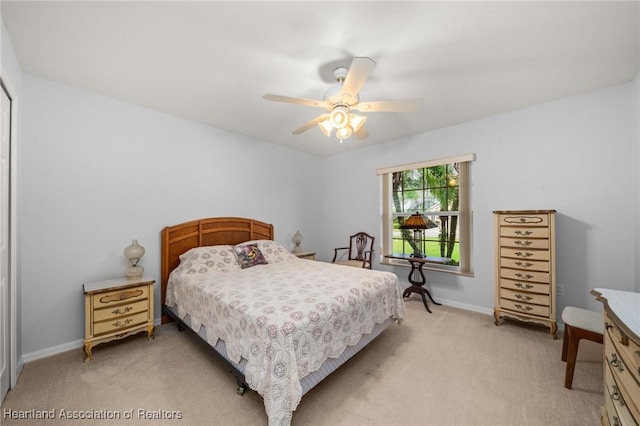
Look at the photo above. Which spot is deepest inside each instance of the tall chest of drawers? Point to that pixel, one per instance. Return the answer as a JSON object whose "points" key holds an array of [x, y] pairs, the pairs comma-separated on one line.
{"points": [[525, 287], [115, 309], [621, 357]]}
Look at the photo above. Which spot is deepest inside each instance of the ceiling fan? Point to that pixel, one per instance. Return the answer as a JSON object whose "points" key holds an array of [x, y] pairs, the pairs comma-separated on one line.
{"points": [[340, 100]]}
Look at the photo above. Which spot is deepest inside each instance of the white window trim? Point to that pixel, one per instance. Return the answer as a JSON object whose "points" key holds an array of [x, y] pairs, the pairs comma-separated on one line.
{"points": [[465, 213]]}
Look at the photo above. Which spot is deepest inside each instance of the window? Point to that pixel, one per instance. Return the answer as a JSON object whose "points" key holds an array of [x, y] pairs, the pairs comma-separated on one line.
{"points": [[440, 191]]}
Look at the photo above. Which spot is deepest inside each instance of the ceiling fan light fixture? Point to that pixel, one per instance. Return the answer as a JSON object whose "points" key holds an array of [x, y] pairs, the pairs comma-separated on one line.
{"points": [[339, 116], [356, 121], [344, 133], [326, 127]]}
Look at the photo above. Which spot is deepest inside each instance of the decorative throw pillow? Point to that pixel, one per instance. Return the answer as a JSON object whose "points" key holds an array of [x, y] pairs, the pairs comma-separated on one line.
{"points": [[249, 255]]}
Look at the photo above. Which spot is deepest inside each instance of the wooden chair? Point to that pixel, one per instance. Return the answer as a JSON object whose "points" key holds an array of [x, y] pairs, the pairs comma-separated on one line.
{"points": [[578, 324], [360, 251]]}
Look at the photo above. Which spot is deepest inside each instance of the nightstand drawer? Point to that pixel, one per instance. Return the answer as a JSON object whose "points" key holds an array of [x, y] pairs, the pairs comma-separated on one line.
{"points": [[120, 311], [118, 296], [116, 324]]}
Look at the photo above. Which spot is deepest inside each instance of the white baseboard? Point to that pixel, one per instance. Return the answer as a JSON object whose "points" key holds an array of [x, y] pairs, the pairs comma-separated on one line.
{"points": [[54, 350], [466, 306]]}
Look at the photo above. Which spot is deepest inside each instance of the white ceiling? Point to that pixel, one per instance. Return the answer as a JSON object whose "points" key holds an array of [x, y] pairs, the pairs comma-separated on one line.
{"points": [[211, 61]]}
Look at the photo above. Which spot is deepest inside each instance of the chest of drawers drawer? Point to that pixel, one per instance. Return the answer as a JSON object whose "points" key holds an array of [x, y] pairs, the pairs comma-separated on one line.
{"points": [[524, 308], [524, 254], [525, 286], [522, 296], [522, 275], [524, 243], [527, 265]]}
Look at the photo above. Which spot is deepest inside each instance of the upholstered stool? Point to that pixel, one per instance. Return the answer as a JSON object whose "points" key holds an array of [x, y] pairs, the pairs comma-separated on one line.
{"points": [[578, 324]]}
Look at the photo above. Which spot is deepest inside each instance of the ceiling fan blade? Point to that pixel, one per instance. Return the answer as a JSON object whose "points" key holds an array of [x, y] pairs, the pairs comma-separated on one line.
{"points": [[389, 106], [310, 124], [361, 133], [356, 77], [297, 101]]}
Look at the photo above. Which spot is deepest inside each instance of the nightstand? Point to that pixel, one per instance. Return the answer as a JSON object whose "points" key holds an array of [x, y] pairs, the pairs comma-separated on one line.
{"points": [[311, 255], [115, 309]]}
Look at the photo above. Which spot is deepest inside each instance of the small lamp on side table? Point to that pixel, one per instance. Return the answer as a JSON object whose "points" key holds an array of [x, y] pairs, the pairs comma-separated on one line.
{"points": [[297, 242], [134, 252], [416, 222]]}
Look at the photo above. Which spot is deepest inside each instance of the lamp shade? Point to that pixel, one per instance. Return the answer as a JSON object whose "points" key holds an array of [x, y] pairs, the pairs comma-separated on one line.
{"points": [[415, 221]]}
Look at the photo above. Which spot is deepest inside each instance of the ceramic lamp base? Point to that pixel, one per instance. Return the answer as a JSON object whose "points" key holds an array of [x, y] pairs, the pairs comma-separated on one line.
{"points": [[134, 272]]}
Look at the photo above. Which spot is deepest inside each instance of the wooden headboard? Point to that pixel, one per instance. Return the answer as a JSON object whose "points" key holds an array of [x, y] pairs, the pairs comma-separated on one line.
{"points": [[213, 231]]}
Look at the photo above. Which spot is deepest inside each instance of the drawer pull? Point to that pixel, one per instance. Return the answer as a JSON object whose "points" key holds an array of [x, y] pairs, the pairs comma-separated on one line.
{"points": [[525, 254], [527, 276], [123, 323], [119, 312], [616, 421], [616, 395], [525, 233], [521, 297], [522, 243], [523, 308], [524, 264], [616, 363], [524, 286]]}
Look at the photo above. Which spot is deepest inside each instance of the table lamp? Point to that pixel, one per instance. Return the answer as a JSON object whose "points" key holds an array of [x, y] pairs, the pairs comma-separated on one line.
{"points": [[417, 223]]}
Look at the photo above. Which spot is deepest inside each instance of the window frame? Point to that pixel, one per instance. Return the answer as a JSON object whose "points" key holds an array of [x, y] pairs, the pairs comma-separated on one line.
{"points": [[464, 212]]}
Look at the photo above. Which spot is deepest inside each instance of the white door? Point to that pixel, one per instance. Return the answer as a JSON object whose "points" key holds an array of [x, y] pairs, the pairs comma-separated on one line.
{"points": [[5, 349]]}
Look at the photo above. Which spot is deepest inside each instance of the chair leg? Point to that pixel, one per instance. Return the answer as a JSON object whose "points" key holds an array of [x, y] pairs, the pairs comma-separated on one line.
{"points": [[572, 341], [572, 338], [565, 342]]}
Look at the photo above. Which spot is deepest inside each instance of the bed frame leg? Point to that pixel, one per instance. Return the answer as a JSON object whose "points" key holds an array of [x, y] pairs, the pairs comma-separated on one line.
{"points": [[242, 387]]}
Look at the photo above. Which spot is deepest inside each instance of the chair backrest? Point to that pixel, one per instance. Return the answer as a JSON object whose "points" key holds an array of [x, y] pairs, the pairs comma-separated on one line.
{"points": [[360, 243]]}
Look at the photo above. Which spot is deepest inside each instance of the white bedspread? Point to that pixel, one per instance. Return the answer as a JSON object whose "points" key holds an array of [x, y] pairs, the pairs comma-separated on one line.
{"points": [[285, 318]]}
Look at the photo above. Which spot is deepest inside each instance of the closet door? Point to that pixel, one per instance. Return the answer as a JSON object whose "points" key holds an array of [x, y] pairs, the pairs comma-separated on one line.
{"points": [[5, 314]]}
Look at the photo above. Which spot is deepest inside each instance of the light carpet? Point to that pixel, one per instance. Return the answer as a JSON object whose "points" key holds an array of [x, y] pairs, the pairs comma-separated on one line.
{"points": [[451, 367]]}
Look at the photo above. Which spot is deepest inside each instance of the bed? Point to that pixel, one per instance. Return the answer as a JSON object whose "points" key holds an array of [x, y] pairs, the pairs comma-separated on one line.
{"points": [[280, 324]]}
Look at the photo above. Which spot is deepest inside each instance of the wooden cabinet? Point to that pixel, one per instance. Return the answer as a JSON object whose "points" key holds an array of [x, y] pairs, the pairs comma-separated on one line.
{"points": [[621, 357], [115, 309], [525, 287]]}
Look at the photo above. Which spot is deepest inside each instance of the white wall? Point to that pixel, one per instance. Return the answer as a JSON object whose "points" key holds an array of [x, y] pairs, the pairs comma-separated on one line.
{"points": [[573, 155], [97, 173]]}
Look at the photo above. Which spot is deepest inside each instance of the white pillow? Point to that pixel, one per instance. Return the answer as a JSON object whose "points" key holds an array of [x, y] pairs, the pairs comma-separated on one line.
{"points": [[200, 260], [272, 251]]}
